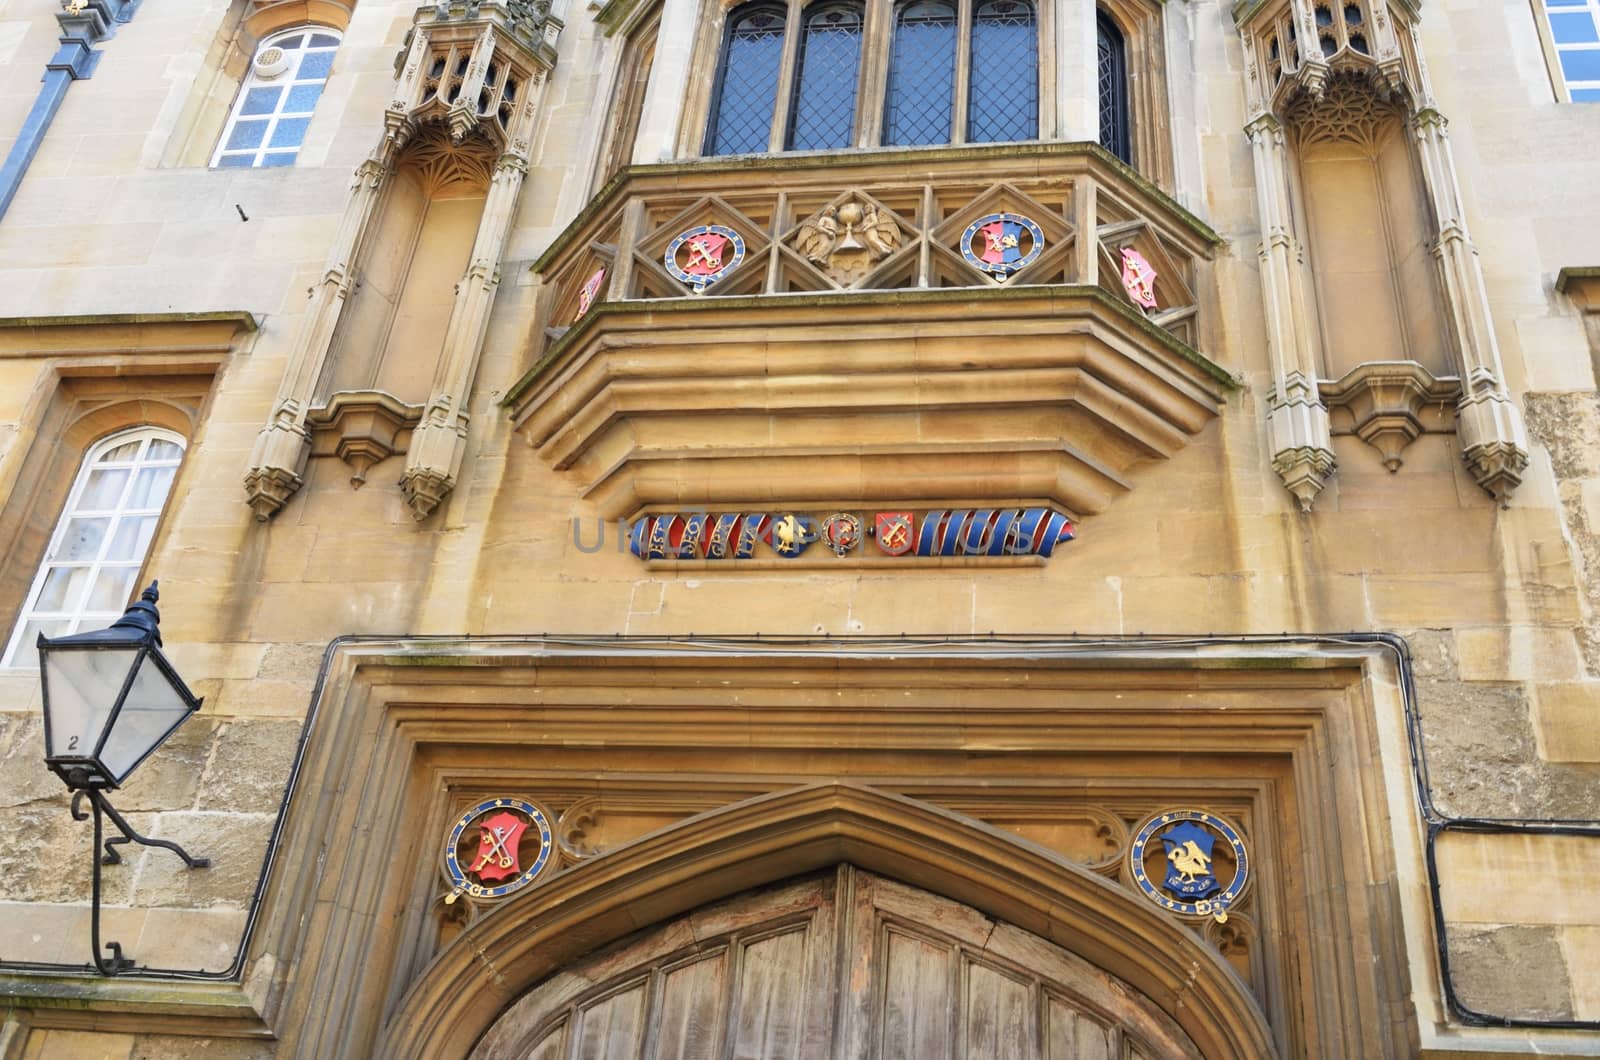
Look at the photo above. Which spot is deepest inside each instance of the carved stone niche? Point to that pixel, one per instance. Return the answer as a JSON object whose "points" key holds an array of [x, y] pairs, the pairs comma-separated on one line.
{"points": [[1388, 404], [362, 428]]}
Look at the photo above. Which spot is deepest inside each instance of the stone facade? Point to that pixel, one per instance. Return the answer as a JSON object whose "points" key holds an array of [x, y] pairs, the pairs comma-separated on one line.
{"points": [[1354, 610]]}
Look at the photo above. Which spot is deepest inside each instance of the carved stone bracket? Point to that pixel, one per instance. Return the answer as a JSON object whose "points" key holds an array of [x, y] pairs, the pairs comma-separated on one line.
{"points": [[1385, 402], [362, 427]]}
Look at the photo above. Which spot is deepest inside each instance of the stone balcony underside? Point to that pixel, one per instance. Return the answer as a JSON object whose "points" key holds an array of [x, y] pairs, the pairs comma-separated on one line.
{"points": [[864, 399], [901, 373]]}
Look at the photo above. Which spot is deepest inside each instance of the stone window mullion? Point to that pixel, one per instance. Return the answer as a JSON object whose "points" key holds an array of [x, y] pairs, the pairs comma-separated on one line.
{"points": [[958, 123], [794, 32], [872, 95]]}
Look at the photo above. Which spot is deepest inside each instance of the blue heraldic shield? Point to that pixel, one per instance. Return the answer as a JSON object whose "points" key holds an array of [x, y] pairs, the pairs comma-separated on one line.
{"points": [[1189, 861]]}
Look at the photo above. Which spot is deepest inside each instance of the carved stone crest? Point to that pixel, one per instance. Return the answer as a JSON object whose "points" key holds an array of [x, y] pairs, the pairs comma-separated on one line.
{"points": [[847, 238]]}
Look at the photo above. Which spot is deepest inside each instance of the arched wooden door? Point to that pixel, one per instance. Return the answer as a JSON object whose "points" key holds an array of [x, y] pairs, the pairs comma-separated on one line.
{"points": [[843, 966]]}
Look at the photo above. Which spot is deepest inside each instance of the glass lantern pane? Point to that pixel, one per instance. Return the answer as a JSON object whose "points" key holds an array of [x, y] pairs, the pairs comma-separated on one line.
{"points": [[81, 686], [103, 490], [153, 707], [82, 539]]}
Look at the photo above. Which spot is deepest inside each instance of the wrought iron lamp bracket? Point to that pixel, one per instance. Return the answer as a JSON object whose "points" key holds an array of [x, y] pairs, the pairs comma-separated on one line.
{"points": [[101, 808]]}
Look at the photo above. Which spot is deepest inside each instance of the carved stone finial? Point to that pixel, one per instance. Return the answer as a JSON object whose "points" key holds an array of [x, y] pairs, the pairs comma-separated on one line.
{"points": [[268, 489], [425, 488]]}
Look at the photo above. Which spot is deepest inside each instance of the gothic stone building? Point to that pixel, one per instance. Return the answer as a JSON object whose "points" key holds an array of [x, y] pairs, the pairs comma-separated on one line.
{"points": [[810, 528]]}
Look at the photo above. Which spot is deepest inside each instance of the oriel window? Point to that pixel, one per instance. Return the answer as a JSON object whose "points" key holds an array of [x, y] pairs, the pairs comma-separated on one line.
{"points": [[958, 71], [275, 104]]}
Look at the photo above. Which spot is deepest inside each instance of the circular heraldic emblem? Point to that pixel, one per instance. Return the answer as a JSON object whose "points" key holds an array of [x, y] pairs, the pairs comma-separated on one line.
{"points": [[496, 848], [1002, 243], [1190, 862], [702, 256]]}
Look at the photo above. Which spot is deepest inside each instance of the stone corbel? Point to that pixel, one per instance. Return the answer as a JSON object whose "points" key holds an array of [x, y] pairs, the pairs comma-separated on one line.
{"points": [[362, 427], [1385, 402]]}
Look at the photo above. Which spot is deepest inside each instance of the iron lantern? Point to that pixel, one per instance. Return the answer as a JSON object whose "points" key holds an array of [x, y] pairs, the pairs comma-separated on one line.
{"points": [[110, 699]]}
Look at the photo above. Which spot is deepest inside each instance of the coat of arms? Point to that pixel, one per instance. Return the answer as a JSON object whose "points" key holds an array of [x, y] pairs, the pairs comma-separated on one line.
{"points": [[1138, 278], [702, 256], [1002, 243], [1199, 858], [841, 532], [590, 291], [893, 530], [495, 848]]}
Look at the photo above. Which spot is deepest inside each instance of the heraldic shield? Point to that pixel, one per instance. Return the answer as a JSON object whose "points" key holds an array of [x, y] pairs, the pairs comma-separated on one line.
{"points": [[1189, 857]]}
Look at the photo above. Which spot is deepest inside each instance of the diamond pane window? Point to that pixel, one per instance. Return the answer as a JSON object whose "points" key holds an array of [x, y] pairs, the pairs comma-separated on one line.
{"points": [[1003, 103], [1114, 131], [275, 103], [922, 75], [741, 120], [830, 63], [1575, 33], [88, 572]]}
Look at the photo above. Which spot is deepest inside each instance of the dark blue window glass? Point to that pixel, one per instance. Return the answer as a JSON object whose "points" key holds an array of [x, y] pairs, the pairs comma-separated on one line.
{"points": [[922, 75], [1115, 135], [824, 109], [1003, 103], [741, 121]]}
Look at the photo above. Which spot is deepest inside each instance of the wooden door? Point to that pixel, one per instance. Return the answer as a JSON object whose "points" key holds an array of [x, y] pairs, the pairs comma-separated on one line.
{"points": [[841, 967]]}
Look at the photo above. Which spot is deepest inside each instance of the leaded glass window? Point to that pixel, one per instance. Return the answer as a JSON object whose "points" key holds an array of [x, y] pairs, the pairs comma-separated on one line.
{"points": [[922, 75], [1114, 132], [1003, 101], [747, 90], [270, 117], [830, 61], [87, 577], [1575, 32]]}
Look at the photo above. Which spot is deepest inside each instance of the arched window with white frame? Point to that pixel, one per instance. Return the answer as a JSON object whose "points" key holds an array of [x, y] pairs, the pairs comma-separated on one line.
{"points": [[100, 542], [273, 110]]}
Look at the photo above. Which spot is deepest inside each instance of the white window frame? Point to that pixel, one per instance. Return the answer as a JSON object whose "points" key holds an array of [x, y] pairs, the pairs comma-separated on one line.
{"points": [[288, 80], [1552, 51], [76, 618]]}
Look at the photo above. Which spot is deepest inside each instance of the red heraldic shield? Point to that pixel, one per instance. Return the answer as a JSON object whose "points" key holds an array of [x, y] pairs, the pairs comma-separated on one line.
{"points": [[893, 531], [497, 847]]}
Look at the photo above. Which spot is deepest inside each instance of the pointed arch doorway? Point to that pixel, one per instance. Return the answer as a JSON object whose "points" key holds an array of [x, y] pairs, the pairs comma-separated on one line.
{"points": [[844, 963]]}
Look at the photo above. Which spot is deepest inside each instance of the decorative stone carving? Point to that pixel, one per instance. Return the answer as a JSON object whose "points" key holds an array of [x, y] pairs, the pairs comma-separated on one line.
{"points": [[478, 69], [1385, 400], [1338, 71], [363, 427], [847, 237]]}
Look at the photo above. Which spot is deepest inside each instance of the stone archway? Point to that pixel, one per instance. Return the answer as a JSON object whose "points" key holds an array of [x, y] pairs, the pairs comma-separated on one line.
{"points": [[1182, 998], [842, 964]]}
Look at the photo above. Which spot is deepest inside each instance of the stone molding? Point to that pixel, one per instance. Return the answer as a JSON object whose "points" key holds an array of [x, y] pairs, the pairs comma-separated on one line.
{"points": [[362, 427], [1071, 392], [1292, 56]]}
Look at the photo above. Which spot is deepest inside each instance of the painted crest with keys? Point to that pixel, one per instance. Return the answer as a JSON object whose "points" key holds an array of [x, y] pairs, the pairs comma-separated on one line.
{"points": [[497, 847]]}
